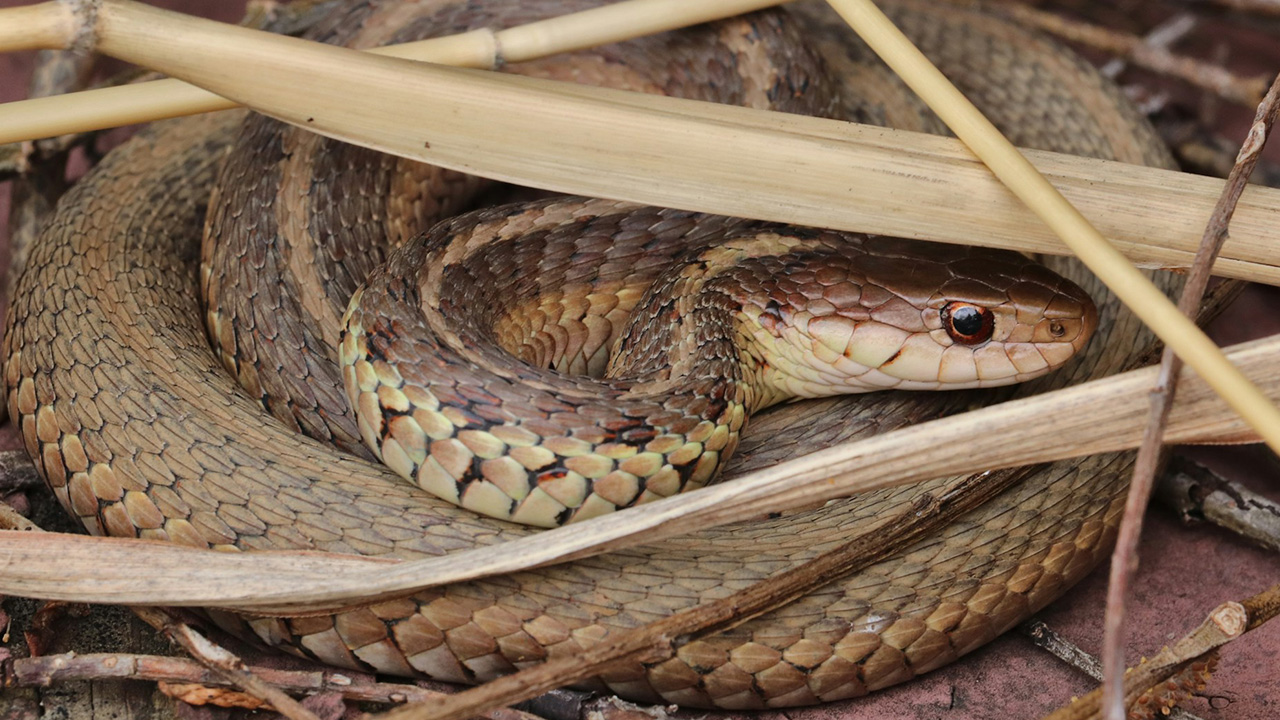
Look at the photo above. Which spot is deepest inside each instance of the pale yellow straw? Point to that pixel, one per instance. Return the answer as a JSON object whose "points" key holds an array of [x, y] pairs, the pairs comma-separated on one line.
{"points": [[39, 26], [1130, 285]]}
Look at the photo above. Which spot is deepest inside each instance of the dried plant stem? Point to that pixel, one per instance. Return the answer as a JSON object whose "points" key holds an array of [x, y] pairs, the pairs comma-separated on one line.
{"points": [[1020, 176], [1124, 557], [1218, 80], [1099, 416], [35, 27], [1196, 492], [660, 639], [11, 520], [160, 99], [1164, 694], [679, 153], [1224, 624], [223, 663]]}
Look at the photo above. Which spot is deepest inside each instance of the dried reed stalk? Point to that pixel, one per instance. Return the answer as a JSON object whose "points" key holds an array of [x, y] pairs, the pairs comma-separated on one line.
{"points": [[1147, 301], [719, 159], [470, 111], [1099, 416], [488, 49]]}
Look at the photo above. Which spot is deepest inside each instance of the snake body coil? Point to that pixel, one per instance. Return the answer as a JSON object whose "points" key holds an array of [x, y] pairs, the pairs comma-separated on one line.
{"points": [[139, 432]]}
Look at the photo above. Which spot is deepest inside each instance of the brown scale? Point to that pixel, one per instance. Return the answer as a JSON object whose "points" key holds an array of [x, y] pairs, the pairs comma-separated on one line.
{"points": [[324, 214], [132, 422], [441, 403]]}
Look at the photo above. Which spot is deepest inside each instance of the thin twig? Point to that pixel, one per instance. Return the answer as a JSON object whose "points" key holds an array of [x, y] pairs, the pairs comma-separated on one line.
{"points": [[11, 520], [1124, 558], [1197, 493], [660, 640], [47, 669], [1164, 695], [1218, 80], [223, 662], [1226, 623]]}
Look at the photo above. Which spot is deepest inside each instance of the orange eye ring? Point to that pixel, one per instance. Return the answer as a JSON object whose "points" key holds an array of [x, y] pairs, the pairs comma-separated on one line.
{"points": [[966, 323]]}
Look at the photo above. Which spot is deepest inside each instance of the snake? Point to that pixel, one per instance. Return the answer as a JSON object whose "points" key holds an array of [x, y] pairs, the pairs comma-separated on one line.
{"points": [[122, 394]]}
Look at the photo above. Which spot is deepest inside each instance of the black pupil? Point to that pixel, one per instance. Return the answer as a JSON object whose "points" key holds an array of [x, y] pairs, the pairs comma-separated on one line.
{"points": [[967, 320]]}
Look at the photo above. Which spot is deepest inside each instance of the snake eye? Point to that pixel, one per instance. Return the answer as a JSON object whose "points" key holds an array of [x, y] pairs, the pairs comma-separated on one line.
{"points": [[966, 323]]}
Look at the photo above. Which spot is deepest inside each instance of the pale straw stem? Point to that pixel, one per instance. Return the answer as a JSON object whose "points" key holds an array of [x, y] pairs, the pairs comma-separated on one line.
{"points": [[1021, 177]]}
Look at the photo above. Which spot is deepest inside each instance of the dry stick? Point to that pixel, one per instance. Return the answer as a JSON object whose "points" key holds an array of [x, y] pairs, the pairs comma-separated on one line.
{"points": [[223, 662], [1244, 91], [1068, 652], [660, 640], [10, 519], [1124, 558], [1021, 177], [212, 655], [1195, 492], [484, 48], [1225, 623], [683, 154], [44, 670]]}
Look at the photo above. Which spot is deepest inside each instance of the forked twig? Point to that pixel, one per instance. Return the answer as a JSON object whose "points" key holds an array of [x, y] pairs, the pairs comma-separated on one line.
{"points": [[1163, 697], [1225, 623], [1124, 558], [213, 656]]}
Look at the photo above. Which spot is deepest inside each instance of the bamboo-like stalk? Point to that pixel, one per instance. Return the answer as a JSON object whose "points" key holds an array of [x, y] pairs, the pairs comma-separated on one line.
{"points": [[45, 26], [162, 99], [1103, 415], [1019, 175], [690, 155]]}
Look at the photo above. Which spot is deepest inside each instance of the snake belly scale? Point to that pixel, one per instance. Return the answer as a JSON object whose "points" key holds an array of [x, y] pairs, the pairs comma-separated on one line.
{"points": [[140, 432]]}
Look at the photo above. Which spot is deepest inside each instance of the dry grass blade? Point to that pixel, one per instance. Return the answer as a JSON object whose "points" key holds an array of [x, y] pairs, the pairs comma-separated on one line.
{"points": [[689, 155], [576, 136], [161, 99], [47, 26], [1020, 176], [1100, 416], [1124, 557], [661, 639], [222, 662]]}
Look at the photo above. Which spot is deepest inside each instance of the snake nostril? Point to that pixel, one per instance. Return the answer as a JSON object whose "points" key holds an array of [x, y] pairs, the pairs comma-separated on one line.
{"points": [[1056, 328]]}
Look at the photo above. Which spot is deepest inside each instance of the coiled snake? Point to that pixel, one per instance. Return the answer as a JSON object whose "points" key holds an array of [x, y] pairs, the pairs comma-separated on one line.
{"points": [[140, 432]]}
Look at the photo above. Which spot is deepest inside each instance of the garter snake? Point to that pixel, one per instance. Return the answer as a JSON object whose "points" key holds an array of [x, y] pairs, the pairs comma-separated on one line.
{"points": [[140, 432]]}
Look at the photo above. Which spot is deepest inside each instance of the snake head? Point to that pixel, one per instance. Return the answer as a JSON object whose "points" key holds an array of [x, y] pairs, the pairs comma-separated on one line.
{"points": [[886, 313]]}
